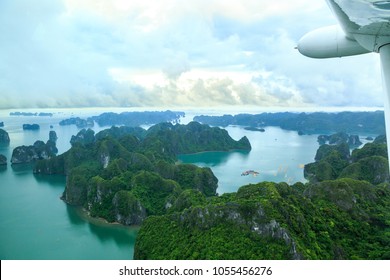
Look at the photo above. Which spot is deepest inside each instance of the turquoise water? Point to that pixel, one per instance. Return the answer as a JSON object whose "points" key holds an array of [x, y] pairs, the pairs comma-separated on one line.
{"points": [[278, 155], [37, 224]]}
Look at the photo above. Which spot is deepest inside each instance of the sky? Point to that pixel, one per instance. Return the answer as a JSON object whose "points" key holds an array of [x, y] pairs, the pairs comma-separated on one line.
{"points": [[174, 53]]}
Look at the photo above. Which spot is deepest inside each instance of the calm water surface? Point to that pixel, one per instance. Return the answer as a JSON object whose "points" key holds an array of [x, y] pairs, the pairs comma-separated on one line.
{"points": [[278, 155], [36, 224]]}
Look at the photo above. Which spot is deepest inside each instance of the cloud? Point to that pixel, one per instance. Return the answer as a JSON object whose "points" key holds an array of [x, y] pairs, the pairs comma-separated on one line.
{"points": [[69, 53], [176, 64]]}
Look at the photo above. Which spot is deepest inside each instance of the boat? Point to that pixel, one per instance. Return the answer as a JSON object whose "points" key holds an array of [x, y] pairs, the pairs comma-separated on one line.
{"points": [[250, 172]]}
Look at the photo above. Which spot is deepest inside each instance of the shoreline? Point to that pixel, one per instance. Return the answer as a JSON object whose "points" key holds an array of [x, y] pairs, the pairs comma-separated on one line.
{"points": [[229, 151], [85, 215]]}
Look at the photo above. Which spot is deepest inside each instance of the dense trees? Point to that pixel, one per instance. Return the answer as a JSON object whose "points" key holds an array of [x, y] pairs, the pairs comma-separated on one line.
{"points": [[126, 174], [131, 176], [339, 219], [342, 213], [370, 163], [319, 122]]}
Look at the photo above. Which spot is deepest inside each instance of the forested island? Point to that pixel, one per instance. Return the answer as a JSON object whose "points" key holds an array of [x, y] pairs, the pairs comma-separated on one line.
{"points": [[125, 174], [4, 137], [126, 118], [3, 160], [138, 118], [335, 161], [33, 126], [29, 114], [343, 212], [131, 176], [39, 150], [79, 122], [305, 123]]}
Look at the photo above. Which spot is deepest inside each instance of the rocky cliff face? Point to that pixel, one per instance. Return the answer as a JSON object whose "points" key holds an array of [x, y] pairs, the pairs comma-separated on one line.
{"points": [[76, 188], [369, 163], [339, 138], [256, 222], [26, 154], [340, 219], [128, 210], [39, 150], [3, 159], [4, 137], [80, 123], [53, 136], [126, 174], [84, 137], [31, 126], [312, 123]]}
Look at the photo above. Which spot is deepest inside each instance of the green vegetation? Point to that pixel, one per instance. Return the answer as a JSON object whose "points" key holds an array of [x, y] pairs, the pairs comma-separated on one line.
{"points": [[350, 122], [369, 163], [39, 150], [126, 174], [137, 118], [130, 119], [342, 213], [130, 176], [340, 219], [4, 137]]}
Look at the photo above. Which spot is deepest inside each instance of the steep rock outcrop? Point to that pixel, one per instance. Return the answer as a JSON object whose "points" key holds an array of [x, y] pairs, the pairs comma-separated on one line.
{"points": [[38, 151], [3, 159], [137, 168], [31, 126], [84, 137], [24, 154], [128, 210], [4, 137], [338, 219], [256, 222], [53, 136], [80, 123], [369, 163]]}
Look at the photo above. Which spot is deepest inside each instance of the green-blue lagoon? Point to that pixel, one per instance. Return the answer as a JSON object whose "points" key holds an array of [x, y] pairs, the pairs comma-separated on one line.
{"points": [[37, 224]]}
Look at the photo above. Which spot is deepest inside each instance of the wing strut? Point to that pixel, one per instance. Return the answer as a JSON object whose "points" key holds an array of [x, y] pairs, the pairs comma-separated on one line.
{"points": [[384, 52]]}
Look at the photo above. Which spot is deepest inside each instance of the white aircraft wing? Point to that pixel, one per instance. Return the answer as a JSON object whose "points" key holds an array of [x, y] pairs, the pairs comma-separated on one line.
{"points": [[364, 26], [362, 16]]}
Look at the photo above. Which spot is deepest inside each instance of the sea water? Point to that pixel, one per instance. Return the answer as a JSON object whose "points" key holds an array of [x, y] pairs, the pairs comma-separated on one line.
{"points": [[37, 224], [277, 155]]}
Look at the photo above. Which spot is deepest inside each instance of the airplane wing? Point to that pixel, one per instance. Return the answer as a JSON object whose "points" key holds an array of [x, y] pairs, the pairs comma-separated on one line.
{"points": [[362, 16], [366, 21], [364, 26]]}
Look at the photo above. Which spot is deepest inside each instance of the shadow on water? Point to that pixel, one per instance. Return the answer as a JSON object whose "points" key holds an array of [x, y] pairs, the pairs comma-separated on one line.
{"points": [[212, 158], [122, 235], [57, 181], [22, 169], [105, 232], [4, 146], [3, 168], [5, 151], [74, 216]]}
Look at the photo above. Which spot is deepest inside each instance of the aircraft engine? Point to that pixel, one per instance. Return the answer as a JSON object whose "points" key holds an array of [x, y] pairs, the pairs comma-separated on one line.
{"points": [[328, 42]]}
